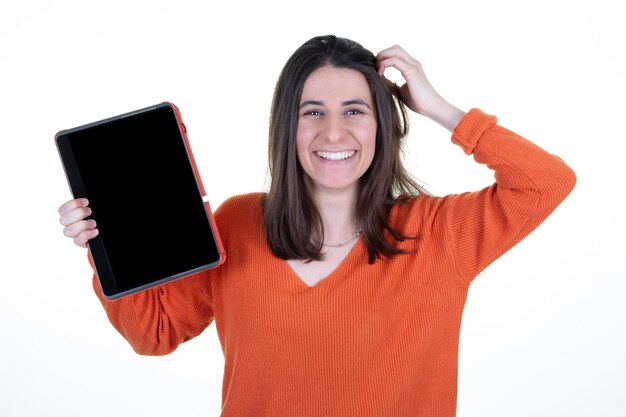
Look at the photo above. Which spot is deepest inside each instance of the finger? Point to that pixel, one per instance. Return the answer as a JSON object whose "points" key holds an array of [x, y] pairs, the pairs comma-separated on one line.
{"points": [[77, 228], [72, 204], [75, 215], [398, 56], [82, 239], [398, 63], [395, 50]]}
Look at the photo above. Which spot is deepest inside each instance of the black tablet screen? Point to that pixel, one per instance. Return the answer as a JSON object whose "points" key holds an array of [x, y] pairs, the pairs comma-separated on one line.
{"points": [[138, 178]]}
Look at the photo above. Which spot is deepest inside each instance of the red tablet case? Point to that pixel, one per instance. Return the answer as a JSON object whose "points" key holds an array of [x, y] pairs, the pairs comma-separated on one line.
{"points": [[183, 130]]}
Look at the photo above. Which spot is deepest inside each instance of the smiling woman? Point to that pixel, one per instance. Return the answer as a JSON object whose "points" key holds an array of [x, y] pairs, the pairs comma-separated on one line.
{"points": [[332, 101], [345, 284], [336, 135]]}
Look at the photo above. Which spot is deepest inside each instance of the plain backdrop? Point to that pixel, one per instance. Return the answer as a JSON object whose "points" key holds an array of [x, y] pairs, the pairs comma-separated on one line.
{"points": [[543, 330]]}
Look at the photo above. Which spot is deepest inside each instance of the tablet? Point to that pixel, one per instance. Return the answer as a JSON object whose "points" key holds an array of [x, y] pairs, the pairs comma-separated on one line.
{"points": [[146, 196]]}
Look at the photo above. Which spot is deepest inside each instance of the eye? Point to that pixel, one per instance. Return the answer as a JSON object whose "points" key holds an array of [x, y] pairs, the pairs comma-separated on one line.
{"points": [[353, 112], [312, 113]]}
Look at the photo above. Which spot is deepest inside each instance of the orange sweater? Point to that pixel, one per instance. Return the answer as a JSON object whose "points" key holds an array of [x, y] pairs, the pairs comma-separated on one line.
{"points": [[369, 340]]}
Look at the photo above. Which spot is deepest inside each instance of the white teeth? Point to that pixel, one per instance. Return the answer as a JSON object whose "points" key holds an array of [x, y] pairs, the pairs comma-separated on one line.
{"points": [[335, 156]]}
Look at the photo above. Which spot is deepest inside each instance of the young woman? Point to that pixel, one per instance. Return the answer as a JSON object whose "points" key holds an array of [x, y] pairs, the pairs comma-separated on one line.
{"points": [[345, 284]]}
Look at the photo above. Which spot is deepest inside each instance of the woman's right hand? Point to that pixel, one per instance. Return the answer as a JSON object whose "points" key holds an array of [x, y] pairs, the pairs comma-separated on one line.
{"points": [[73, 214]]}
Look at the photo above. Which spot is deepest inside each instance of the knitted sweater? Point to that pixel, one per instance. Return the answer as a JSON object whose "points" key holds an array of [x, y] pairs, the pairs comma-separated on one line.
{"points": [[375, 339]]}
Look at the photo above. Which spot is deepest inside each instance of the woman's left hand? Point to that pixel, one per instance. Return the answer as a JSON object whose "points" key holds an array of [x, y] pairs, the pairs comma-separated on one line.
{"points": [[418, 93]]}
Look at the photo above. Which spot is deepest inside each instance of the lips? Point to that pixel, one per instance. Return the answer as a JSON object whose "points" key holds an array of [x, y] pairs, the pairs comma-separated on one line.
{"points": [[335, 156]]}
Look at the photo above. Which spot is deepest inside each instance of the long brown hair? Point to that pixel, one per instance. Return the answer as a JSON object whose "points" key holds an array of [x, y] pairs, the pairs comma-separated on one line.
{"points": [[290, 214]]}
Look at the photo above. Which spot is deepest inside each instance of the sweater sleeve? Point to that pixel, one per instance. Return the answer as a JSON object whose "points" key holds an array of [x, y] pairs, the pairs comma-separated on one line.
{"points": [[156, 320], [530, 184]]}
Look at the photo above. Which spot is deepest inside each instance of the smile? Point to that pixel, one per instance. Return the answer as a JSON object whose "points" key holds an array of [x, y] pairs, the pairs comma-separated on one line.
{"points": [[335, 156]]}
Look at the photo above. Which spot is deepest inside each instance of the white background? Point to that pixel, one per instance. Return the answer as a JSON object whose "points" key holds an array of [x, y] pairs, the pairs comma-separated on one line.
{"points": [[543, 330]]}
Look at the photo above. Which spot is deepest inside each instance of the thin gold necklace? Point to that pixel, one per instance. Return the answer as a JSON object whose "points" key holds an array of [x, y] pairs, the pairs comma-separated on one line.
{"points": [[339, 245]]}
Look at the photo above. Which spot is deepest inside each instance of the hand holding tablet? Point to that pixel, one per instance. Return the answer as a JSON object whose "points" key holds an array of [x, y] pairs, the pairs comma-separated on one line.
{"points": [[138, 159], [73, 215]]}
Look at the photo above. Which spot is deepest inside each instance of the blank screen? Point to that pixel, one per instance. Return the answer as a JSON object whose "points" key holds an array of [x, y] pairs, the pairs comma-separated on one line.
{"points": [[138, 178]]}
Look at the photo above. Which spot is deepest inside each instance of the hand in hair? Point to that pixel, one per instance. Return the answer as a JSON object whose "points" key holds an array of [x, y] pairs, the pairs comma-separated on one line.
{"points": [[417, 92]]}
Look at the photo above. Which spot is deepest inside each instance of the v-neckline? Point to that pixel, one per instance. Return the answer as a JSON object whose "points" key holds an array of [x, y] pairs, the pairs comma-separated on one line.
{"points": [[333, 275]]}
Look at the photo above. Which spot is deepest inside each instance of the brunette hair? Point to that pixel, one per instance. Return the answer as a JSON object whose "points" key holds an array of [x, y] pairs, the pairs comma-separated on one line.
{"points": [[290, 214]]}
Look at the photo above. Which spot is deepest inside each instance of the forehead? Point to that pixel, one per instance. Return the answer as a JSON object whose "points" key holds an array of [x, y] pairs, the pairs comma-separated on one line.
{"points": [[327, 83]]}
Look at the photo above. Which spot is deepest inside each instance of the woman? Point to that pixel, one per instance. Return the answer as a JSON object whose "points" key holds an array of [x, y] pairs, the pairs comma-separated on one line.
{"points": [[344, 286]]}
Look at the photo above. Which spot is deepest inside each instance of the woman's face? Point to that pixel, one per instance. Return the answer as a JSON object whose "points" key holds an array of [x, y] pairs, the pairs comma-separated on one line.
{"points": [[336, 136]]}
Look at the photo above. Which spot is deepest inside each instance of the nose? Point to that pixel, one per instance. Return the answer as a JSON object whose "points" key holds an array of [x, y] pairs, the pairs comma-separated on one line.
{"points": [[334, 129]]}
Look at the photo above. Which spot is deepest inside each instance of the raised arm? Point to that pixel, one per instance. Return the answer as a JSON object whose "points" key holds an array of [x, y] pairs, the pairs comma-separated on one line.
{"points": [[530, 182], [154, 321]]}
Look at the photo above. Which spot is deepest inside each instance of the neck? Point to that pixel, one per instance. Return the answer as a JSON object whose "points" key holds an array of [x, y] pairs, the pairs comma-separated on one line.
{"points": [[337, 210]]}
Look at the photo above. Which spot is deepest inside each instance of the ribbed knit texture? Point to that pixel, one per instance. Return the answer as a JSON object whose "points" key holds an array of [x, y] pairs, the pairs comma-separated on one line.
{"points": [[369, 340]]}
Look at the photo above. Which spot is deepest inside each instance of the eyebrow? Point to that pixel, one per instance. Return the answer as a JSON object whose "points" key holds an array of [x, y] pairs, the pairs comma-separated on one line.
{"points": [[345, 103]]}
